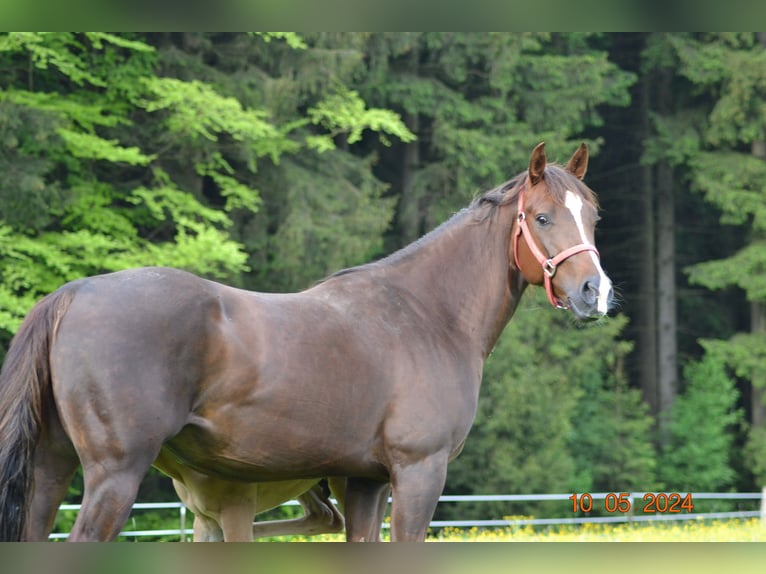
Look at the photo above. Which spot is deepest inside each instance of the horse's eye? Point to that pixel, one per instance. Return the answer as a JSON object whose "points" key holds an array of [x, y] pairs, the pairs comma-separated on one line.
{"points": [[542, 220]]}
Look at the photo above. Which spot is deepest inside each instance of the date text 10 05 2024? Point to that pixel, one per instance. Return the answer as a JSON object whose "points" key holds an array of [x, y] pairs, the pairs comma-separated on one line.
{"points": [[653, 502]]}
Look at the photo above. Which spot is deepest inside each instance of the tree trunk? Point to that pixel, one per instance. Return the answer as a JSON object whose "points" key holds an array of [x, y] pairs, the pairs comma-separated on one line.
{"points": [[758, 310], [647, 317], [758, 319], [407, 212], [667, 340], [667, 365], [758, 384]]}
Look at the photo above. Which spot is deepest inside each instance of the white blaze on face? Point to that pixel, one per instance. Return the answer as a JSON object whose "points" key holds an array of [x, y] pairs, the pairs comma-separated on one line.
{"points": [[573, 202]]}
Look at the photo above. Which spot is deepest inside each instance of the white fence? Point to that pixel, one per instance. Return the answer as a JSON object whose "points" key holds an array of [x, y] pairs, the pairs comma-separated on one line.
{"points": [[633, 510]]}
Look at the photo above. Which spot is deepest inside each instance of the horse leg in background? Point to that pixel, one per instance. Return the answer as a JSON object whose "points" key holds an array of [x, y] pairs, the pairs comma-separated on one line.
{"points": [[223, 510], [365, 505], [320, 516], [206, 529], [382, 507], [236, 516]]}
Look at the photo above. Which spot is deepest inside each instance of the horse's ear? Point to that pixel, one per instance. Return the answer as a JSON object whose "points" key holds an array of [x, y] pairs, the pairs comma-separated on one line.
{"points": [[578, 164], [537, 163]]}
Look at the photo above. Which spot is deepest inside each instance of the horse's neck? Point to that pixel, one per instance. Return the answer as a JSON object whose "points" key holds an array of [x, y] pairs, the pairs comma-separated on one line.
{"points": [[463, 275]]}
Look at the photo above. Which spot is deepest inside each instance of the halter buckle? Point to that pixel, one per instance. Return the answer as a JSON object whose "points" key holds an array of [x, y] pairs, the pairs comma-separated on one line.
{"points": [[550, 268]]}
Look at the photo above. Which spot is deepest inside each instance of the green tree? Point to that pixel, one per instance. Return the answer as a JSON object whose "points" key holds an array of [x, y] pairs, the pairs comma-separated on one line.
{"points": [[98, 202], [479, 103], [125, 153], [612, 435], [699, 453], [321, 207], [655, 222], [728, 167]]}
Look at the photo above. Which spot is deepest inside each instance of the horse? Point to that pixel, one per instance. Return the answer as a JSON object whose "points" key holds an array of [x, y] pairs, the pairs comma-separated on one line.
{"points": [[372, 374]]}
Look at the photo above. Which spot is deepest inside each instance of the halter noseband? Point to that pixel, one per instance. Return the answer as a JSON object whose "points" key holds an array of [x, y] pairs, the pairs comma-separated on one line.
{"points": [[549, 264]]}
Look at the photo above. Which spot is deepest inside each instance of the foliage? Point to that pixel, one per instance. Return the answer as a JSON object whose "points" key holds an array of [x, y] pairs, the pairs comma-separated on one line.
{"points": [[730, 66], [87, 95], [754, 452], [332, 215], [613, 435], [345, 112], [699, 452], [480, 102], [733, 182], [744, 354], [124, 167], [728, 170]]}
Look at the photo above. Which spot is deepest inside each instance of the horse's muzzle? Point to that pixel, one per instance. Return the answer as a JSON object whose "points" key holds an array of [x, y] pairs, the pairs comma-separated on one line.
{"points": [[594, 298]]}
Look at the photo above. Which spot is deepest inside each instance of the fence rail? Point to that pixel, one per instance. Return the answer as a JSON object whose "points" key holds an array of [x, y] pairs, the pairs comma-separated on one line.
{"points": [[629, 516]]}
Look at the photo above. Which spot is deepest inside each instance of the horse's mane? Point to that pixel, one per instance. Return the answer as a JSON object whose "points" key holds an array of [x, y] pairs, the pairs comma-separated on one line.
{"points": [[557, 178]]}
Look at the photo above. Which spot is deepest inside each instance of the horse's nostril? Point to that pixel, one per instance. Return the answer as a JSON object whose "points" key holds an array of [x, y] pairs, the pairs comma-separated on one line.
{"points": [[590, 292]]}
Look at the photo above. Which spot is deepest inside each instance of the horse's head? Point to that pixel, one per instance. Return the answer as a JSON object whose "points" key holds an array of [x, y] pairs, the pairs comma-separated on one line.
{"points": [[553, 236]]}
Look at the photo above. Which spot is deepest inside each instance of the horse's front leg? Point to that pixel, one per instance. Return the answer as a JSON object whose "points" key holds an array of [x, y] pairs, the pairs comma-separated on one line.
{"points": [[416, 490], [364, 507]]}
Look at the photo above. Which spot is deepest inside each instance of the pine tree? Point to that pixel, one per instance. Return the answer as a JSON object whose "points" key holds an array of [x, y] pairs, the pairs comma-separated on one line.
{"points": [[698, 456], [729, 170]]}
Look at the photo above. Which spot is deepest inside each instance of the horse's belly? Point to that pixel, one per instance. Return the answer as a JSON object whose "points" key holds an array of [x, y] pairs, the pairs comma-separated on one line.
{"points": [[269, 449]]}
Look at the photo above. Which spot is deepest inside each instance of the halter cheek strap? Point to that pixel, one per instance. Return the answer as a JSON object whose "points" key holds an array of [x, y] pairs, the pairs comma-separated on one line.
{"points": [[549, 264]]}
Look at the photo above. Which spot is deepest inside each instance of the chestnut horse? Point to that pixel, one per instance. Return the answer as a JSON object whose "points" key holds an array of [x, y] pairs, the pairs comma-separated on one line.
{"points": [[372, 374]]}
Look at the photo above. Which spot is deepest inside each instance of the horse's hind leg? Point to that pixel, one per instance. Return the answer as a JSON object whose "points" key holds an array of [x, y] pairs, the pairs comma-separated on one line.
{"points": [[111, 485], [54, 466], [319, 516], [117, 414], [116, 450]]}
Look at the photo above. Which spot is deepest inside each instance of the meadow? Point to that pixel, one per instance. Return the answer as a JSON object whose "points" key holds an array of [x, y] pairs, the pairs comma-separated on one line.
{"points": [[748, 530], [752, 530]]}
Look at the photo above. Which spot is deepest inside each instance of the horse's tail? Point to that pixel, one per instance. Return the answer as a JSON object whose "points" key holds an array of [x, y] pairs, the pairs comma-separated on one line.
{"points": [[25, 394]]}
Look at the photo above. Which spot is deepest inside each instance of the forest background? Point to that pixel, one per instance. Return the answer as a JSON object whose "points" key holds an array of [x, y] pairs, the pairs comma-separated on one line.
{"points": [[268, 161]]}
